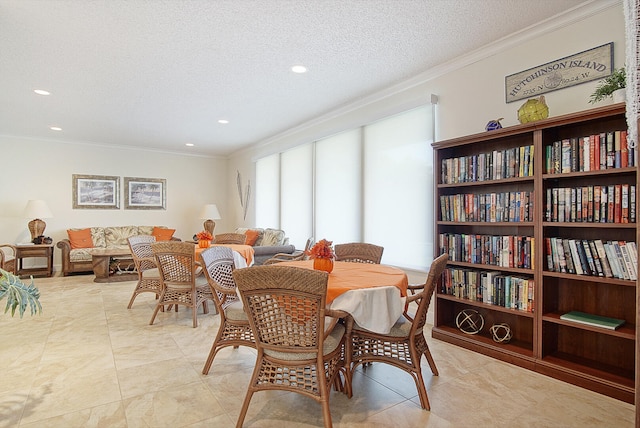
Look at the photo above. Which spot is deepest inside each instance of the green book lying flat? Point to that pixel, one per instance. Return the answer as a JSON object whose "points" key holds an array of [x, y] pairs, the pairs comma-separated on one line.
{"points": [[593, 320]]}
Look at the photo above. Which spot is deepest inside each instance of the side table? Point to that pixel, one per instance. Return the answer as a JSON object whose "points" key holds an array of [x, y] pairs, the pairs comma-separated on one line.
{"points": [[38, 251]]}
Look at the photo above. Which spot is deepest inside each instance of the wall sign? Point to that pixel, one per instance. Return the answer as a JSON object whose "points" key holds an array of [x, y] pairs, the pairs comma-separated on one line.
{"points": [[569, 71]]}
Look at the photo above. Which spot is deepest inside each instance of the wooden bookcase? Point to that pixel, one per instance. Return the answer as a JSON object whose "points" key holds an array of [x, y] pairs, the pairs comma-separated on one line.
{"points": [[592, 357]]}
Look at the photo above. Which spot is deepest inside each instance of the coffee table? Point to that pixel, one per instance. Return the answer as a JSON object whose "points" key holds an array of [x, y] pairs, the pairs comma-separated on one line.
{"points": [[101, 260]]}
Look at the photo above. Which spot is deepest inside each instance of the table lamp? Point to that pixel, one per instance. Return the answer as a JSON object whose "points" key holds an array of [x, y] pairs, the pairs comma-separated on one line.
{"points": [[208, 214], [37, 209]]}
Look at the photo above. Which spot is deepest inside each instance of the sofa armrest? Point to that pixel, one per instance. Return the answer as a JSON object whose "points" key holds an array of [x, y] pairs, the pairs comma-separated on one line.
{"points": [[64, 245], [273, 250], [263, 253]]}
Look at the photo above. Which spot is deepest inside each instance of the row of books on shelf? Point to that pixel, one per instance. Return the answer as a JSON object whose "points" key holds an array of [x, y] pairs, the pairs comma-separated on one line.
{"points": [[593, 257], [594, 152], [510, 251], [490, 287], [487, 207], [494, 165], [614, 203]]}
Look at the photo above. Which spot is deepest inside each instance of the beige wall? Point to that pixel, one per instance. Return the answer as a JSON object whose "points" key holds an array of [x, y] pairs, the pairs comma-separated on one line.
{"points": [[37, 169], [471, 89]]}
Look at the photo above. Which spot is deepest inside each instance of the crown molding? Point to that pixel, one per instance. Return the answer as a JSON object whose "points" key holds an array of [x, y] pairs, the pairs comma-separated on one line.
{"points": [[113, 146], [571, 16]]}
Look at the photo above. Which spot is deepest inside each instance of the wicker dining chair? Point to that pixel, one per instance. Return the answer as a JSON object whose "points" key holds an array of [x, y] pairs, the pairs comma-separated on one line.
{"points": [[234, 329], [297, 255], [405, 344], [286, 308], [359, 252], [146, 267], [8, 258], [230, 238], [180, 283]]}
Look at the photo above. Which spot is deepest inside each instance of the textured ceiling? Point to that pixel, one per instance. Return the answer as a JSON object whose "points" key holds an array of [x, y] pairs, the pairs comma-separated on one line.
{"points": [[159, 74]]}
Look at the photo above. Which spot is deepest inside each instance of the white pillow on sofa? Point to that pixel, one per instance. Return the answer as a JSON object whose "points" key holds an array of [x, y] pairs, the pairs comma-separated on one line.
{"points": [[272, 237]]}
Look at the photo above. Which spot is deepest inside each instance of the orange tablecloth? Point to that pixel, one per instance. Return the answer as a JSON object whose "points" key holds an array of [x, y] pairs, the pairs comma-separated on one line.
{"points": [[348, 276], [246, 251]]}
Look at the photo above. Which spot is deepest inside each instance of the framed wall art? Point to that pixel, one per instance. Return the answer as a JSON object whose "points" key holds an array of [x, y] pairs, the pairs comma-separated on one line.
{"points": [[145, 193], [96, 192]]}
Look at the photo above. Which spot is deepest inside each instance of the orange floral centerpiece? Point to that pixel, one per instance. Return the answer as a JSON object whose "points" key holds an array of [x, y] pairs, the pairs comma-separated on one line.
{"points": [[322, 255], [204, 238]]}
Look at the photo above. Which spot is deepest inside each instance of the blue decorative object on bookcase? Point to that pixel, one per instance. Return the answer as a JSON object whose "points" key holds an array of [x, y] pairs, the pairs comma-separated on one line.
{"points": [[493, 125]]}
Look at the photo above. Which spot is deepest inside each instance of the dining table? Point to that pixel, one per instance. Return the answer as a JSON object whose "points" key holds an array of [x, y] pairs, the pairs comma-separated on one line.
{"points": [[373, 294]]}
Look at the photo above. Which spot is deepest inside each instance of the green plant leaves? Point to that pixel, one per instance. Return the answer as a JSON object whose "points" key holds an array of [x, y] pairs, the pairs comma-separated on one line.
{"points": [[617, 80], [19, 294]]}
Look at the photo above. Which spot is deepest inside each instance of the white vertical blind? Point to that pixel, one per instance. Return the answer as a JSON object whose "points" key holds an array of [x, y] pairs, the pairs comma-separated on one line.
{"points": [[370, 184], [338, 187], [398, 188], [296, 199], [268, 191]]}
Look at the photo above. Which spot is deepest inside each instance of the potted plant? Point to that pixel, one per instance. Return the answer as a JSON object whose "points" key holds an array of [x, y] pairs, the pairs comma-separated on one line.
{"points": [[610, 84], [18, 294], [322, 254]]}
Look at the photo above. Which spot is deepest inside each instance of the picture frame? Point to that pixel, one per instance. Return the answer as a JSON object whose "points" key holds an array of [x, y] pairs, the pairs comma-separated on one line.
{"points": [[145, 193], [96, 192]]}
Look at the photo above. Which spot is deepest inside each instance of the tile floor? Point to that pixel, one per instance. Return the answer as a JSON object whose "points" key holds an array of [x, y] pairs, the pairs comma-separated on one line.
{"points": [[88, 361]]}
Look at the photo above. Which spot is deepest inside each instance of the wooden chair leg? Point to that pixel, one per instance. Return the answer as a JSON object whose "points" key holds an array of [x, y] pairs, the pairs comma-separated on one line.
{"points": [[212, 354], [432, 363], [155, 312], [131, 300]]}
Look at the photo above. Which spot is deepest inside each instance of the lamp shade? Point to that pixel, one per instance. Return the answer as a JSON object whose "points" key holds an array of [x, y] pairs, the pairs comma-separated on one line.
{"points": [[37, 208], [210, 212]]}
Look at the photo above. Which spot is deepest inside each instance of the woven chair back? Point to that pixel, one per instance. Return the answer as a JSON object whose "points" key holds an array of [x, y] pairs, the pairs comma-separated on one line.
{"points": [[435, 271], [359, 252], [285, 306], [140, 246], [310, 243], [218, 266], [230, 238], [175, 261]]}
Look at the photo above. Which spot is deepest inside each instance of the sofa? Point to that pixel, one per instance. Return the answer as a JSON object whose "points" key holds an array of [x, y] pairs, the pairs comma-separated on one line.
{"points": [[266, 243], [78, 248]]}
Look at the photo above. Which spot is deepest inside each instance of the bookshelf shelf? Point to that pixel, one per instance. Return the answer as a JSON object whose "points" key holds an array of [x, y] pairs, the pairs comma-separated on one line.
{"points": [[624, 332], [493, 268], [477, 304], [590, 225], [484, 183], [518, 349], [597, 358], [572, 276], [601, 172], [487, 224]]}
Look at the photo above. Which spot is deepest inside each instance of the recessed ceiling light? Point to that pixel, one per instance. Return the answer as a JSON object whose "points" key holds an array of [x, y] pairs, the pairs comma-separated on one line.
{"points": [[189, 144], [55, 128], [41, 92], [299, 69], [223, 121]]}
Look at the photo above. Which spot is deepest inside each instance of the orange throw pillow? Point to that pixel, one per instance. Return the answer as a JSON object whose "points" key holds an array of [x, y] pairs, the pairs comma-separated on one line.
{"points": [[163, 234], [80, 238], [252, 237]]}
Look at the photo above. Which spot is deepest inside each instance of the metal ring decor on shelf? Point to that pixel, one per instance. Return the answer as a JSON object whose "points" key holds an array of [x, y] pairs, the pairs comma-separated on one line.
{"points": [[501, 333], [469, 321]]}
